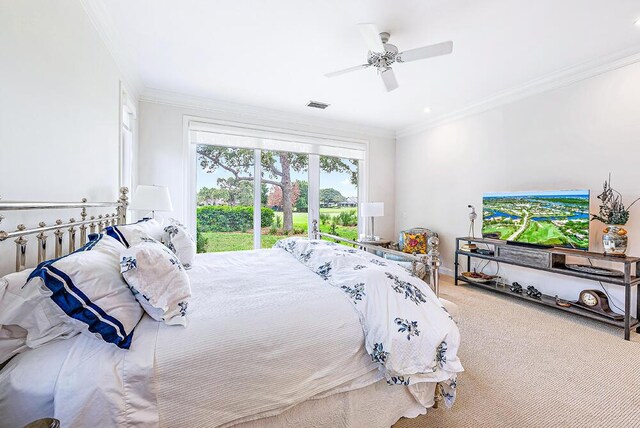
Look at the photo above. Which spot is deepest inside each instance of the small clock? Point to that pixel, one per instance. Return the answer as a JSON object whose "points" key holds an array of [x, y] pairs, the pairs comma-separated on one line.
{"points": [[598, 302], [589, 298]]}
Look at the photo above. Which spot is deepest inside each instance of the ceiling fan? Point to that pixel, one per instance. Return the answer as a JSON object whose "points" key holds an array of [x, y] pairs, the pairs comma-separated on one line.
{"points": [[382, 55]]}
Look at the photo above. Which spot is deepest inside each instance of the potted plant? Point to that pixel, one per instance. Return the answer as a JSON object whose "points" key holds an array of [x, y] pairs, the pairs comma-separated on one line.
{"points": [[614, 214]]}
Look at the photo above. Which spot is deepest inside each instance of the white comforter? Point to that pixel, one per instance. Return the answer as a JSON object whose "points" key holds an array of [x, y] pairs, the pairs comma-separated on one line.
{"points": [[264, 333], [407, 330]]}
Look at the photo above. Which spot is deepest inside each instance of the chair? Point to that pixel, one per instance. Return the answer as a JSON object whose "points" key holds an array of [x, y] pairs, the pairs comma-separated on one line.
{"points": [[421, 270]]}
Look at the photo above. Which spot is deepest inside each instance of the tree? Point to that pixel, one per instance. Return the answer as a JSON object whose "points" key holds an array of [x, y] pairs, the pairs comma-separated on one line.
{"points": [[231, 192], [302, 204], [264, 191], [238, 192], [211, 196], [330, 197], [350, 166], [276, 169], [274, 200]]}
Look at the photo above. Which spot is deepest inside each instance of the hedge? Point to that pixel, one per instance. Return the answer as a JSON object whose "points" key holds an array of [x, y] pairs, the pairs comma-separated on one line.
{"points": [[230, 219]]}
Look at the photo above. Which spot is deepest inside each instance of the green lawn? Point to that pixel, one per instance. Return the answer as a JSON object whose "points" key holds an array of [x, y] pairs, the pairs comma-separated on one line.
{"points": [[300, 219], [234, 241]]}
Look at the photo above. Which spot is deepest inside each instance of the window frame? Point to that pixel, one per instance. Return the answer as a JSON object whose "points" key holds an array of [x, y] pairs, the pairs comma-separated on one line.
{"points": [[127, 142], [279, 139]]}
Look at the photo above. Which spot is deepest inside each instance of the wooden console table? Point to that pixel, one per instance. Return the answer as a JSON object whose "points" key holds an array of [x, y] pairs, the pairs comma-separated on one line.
{"points": [[553, 260]]}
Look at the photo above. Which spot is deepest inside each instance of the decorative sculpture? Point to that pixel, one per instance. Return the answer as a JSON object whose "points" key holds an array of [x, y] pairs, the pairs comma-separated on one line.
{"points": [[533, 292], [516, 288]]}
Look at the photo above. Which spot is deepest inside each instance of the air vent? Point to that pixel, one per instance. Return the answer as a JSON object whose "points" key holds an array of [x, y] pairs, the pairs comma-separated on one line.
{"points": [[317, 104]]}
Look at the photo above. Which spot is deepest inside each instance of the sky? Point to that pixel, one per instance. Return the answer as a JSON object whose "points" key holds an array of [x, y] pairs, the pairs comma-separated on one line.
{"points": [[583, 193], [339, 181]]}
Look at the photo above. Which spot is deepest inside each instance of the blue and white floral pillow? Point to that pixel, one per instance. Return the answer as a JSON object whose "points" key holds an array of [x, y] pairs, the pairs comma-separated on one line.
{"points": [[179, 240], [158, 280]]}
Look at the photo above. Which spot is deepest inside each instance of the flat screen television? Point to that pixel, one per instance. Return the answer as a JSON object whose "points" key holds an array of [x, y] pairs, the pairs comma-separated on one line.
{"points": [[548, 218]]}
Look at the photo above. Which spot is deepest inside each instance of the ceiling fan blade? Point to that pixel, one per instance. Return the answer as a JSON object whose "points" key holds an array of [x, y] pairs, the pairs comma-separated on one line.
{"points": [[389, 80], [424, 52], [346, 70], [371, 37]]}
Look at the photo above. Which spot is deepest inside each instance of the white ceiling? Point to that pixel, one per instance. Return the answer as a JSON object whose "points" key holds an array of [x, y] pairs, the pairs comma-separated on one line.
{"points": [[273, 53]]}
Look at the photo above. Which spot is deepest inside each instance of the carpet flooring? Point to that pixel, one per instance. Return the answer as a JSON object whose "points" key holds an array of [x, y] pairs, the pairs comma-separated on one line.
{"points": [[532, 366]]}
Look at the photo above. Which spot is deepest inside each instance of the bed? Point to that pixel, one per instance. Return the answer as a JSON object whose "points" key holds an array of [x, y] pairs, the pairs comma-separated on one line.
{"points": [[271, 340]]}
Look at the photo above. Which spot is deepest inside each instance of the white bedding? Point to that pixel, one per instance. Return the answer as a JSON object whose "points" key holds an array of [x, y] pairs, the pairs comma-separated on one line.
{"points": [[407, 329], [81, 381], [256, 344], [374, 406]]}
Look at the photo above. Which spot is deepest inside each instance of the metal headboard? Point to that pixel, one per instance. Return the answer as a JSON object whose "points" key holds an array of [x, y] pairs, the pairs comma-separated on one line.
{"points": [[92, 224], [431, 260]]}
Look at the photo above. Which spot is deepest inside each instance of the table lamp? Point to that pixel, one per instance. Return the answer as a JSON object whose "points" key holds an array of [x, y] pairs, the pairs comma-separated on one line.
{"points": [[151, 198], [372, 209]]}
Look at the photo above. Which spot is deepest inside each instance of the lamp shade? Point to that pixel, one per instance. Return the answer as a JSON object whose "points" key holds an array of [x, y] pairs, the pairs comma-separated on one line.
{"points": [[372, 209], [151, 198]]}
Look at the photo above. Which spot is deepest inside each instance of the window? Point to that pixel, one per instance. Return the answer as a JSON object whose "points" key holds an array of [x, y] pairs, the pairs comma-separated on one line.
{"points": [[225, 198], [127, 126], [285, 182], [339, 197], [253, 189]]}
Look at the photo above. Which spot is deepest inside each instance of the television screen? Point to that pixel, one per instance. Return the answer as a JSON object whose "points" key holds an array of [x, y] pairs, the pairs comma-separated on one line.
{"points": [[549, 218]]}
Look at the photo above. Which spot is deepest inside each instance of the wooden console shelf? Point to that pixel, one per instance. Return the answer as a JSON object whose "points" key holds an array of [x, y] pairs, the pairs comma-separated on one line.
{"points": [[553, 260]]}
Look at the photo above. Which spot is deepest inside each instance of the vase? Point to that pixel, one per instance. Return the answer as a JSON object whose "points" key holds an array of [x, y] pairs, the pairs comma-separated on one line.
{"points": [[615, 240]]}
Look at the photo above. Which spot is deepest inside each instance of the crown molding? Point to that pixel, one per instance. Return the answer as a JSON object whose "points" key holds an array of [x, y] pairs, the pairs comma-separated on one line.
{"points": [[101, 21], [249, 112], [556, 80]]}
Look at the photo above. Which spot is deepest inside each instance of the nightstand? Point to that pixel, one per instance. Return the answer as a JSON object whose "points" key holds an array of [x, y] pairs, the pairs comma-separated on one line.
{"points": [[384, 243]]}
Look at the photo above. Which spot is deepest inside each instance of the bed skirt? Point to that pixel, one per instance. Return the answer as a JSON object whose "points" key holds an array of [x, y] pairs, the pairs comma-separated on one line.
{"points": [[375, 406]]}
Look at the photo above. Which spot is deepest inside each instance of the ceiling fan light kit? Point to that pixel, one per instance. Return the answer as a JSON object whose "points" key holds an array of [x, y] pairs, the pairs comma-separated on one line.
{"points": [[382, 55]]}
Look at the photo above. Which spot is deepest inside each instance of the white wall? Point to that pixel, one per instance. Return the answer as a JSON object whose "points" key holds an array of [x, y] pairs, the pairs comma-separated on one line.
{"points": [[569, 138], [59, 110], [162, 156]]}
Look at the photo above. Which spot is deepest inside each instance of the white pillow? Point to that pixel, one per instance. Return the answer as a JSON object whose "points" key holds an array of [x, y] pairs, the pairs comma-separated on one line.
{"points": [[179, 240], [158, 280], [130, 234], [13, 340], [27, 318], [87, 289]]}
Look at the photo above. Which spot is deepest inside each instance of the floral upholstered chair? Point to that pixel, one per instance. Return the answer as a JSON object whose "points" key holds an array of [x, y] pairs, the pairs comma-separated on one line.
{"points": [[416, 241], [412, 241]]}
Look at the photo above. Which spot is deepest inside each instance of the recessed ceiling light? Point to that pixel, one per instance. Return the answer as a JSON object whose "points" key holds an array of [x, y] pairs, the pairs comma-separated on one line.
{"points": [[637, 22], [427, 110]]}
